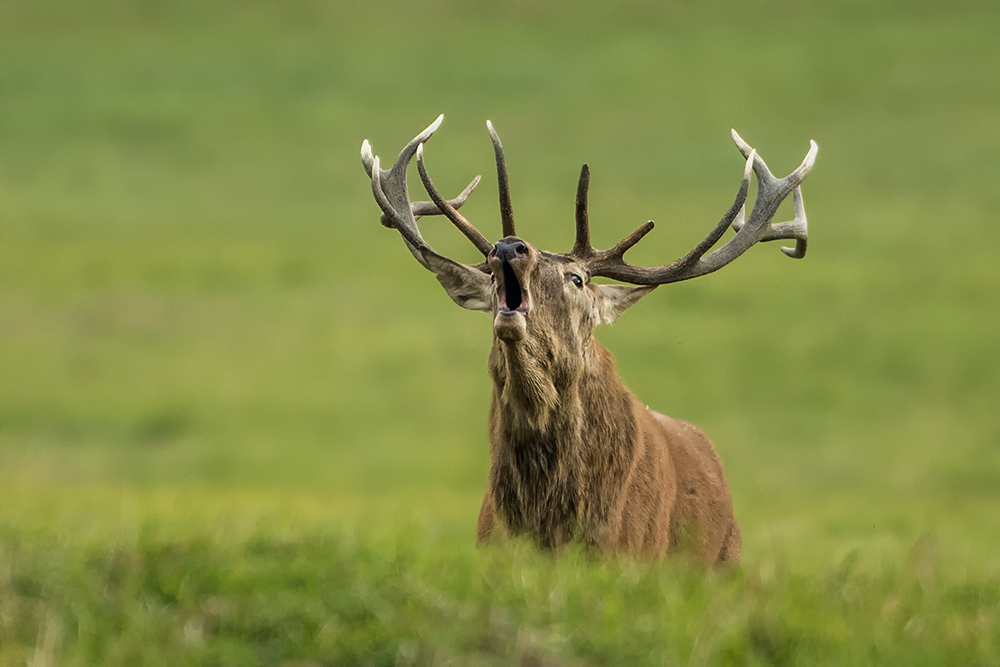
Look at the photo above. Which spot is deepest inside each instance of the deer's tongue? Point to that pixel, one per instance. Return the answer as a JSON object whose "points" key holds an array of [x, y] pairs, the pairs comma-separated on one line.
{"points": [[511, 288]]}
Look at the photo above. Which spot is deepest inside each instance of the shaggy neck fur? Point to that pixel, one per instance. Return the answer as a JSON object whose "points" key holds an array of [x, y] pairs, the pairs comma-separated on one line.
{"points": [[561, 434]]}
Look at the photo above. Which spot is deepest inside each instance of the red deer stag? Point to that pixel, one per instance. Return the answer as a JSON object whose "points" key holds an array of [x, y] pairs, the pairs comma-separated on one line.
{"points": [[573, 454]]}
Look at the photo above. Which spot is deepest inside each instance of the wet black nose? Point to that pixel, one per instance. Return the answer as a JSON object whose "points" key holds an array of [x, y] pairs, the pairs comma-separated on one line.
{"points": [[509, 248]]}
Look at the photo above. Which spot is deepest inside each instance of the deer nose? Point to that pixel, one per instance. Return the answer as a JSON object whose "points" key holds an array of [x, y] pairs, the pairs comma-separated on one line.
{"points": [[510, 248]]}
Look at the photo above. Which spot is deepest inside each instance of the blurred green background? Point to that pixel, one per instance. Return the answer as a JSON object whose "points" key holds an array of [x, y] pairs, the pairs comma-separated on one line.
{"points": [[202, 322]]}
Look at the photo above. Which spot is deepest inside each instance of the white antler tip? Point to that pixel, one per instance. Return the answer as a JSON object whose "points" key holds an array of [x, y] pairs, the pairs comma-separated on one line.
{"points": [[808, 162], [811, 156], [367, 159], [742, 145], [798, 252], [436, 124], [749, 167], [493, 135], [420, 151]]}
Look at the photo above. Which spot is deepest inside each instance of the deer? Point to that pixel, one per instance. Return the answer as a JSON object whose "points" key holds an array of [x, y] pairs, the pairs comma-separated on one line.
{"points": [[574, 455]]}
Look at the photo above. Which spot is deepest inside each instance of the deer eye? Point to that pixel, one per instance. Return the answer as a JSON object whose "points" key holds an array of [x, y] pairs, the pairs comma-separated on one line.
{"points": [[577, 280]]}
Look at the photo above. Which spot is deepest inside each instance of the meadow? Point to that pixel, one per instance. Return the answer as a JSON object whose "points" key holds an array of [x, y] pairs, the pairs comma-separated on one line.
{"points": [[240, 425]]}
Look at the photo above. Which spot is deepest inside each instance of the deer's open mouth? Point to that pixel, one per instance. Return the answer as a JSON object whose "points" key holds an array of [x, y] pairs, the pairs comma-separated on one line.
{"points": [[511, 295]]}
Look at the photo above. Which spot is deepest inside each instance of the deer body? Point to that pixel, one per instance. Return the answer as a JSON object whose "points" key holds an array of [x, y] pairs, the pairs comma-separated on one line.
{"points": [[599, 465], [573, 453]]}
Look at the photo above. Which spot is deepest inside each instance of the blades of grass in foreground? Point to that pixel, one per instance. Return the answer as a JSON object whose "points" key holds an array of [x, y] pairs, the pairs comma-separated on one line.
{"points": [[344, 599]]}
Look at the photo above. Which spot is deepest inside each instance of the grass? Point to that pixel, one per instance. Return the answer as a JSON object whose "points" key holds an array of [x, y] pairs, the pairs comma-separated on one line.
{"points": [[218, 370], [341, 599]]}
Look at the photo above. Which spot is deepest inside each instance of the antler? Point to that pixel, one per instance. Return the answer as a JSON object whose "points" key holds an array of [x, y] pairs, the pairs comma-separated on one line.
{"points": [[771, 191], [389, 188], [506, 212]]}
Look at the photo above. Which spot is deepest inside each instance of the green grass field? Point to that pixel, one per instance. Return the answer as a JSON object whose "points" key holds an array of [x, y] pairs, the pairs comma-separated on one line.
{"points": [[240, 425]]}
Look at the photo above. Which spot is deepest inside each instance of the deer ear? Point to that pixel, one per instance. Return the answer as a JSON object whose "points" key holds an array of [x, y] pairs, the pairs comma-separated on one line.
{"points": [[468, 287], [612, 300]]}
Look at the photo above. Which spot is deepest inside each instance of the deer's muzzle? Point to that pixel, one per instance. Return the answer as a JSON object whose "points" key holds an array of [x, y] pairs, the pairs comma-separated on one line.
{"points": [[511, 261]]}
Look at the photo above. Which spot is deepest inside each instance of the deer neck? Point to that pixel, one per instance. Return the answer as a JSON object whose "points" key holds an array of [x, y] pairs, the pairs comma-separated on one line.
{"points": [[548, 420]]}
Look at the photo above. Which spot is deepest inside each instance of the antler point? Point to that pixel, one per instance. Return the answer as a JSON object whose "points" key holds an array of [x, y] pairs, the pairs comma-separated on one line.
{"points": [[740, 143], [813, 150], [367, 159]]}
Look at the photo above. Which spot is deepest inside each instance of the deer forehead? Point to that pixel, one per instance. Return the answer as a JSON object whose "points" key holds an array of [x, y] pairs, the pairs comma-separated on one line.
{"points": [[563, 263]]}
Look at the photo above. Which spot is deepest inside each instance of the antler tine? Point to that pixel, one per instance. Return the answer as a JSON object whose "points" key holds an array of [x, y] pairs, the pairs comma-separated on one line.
{"points": [[422, 208], [763, 173], [445, 207], [390, 218], [408, 151], [616, 253], [390, 191], [391, 183], [581, 247], [796, 229], [771, 192], [611, 263], [735, 213], [506, 211]]}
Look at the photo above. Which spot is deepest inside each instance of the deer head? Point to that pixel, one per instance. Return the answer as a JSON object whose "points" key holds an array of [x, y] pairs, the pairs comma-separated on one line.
{"points": [[547, 299], [558, 405]]}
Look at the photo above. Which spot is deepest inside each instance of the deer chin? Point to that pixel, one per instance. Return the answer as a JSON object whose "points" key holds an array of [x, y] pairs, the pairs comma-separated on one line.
{"points": [[510, 327]]}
